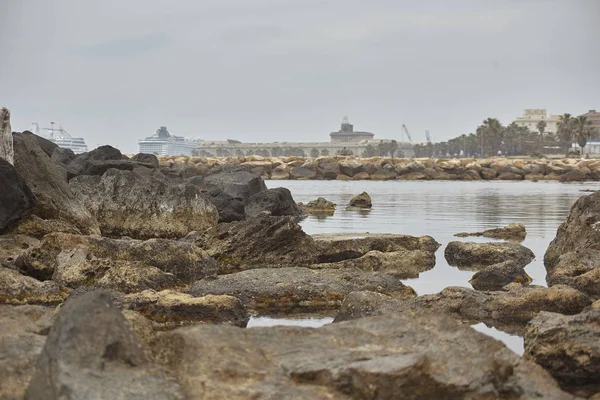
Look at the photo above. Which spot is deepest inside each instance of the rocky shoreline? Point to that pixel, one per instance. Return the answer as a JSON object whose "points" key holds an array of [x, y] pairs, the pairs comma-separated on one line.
{"points": [[127, 278], [381, 169]]}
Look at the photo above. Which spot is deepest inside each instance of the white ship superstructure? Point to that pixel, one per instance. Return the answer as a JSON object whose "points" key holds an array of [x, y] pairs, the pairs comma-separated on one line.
{"points": [[162, 143], [62, 138]]}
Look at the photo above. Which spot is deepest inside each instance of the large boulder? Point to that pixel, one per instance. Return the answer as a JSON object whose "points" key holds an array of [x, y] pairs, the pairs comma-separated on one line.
{"points": [[20, 289], [236, 181], [579, 269], [514, 231], [92, 353], [23, 336], [144, 204], [15, 196], [363, 200], [77, 258], [496, 276], [150, 159], [170, 309], [470, 255], [296, 289], [399, 357], [276, 202], [53, 198], [579, 231], [229, 208], [568, 347], [84, 161], [12, 246], [351, 167], [6, 139], [320, 206]]}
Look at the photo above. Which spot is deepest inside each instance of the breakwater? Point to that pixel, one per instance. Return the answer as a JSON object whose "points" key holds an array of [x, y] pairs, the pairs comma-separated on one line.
{"points": [[379, 168]]}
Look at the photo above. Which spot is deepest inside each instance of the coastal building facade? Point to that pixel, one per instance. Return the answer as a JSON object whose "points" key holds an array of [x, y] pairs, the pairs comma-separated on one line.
{"points": [[164, 144], [347, 133], [593, 116], [532, 116]]}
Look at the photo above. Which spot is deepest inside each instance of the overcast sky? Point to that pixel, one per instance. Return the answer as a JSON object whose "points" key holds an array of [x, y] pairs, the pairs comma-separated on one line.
{"points": [[113, 71]]}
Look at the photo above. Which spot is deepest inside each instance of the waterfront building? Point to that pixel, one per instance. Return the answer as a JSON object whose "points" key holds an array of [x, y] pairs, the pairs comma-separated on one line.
{"points": [[164, 144], [593, 116], [347, 133], [532, 116]]}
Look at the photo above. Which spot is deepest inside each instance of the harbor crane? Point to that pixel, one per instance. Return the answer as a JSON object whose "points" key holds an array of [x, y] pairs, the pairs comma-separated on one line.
{"points": [[405, 129], [427, 136]]}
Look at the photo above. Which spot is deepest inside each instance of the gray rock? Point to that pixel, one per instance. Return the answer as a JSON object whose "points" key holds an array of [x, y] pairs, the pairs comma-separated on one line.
{"points": [[302, 173], [54, 199], [398, 357], [229, 208], [568, 347], [579, 269], [15, 196], [144, 205], [513, 231], [20, 289], [146, 159], [12, 246], [470, 255], [296, 289], [320, 205], [363, 200], [276, 202], [92, 353], [496, 276], [84, 160], [6, 139], [235, 181]]}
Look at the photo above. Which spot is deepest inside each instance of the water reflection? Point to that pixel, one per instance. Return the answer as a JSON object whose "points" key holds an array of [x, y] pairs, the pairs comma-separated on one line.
{"points": [[306, 322], [513, 342]]}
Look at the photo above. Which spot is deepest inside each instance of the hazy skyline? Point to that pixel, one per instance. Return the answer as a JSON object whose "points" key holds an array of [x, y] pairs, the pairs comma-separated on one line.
{"points": [[267, 70]]}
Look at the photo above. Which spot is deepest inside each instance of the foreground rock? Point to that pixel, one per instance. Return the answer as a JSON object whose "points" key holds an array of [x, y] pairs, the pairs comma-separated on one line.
{"points": [[470, 255], [6, 139], [53, 198], [229, 208], [20, 289], [579, 269], [509, 309], [407, 357], [12, 246], [568, 347], [15, 196], [92, 353], [514, 231], [276, 202], [579, 231], [144, 204], [297, 289], [23, 336], [76, 259], [235, 181], [363, 200], [496, 276], [170, 309]]}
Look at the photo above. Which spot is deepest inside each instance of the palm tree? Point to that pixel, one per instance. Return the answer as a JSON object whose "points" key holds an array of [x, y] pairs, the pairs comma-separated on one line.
{"points": [[541, 127], [565, 129], [583, 128], [492, 131]]}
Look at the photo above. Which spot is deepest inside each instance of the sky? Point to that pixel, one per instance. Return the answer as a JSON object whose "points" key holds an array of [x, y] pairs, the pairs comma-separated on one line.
{"points": [[114, 71]]}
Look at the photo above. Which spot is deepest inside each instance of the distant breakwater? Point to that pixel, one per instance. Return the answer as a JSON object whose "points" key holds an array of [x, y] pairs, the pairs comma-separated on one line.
{"points": [[380, 168]]}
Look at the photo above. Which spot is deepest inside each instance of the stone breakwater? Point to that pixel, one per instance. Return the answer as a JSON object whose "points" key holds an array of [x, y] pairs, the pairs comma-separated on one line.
{"points": [[379, 168]]}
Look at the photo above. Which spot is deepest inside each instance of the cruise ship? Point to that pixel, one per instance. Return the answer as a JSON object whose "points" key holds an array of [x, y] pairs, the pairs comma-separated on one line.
{"points": [[62, 138], [164, 144]]}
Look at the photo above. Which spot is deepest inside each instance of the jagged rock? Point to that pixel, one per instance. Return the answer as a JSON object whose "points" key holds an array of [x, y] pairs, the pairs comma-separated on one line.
{"points": [[184, 260], [399, 357], [23, 329], [235, 181], [6, 139], [351, 167], [91, 352], [320, 205], [363, 200], [401, 264], [296, 289], [579, 269], [169, 308], [340, 247], [144, 204], [331, 170], [84, 161], [34, 226], [12, 246], [579, 231], [101, 166], [150, 159], [568, 347], [514, 231], [229, 208], [261, 241], [62, 156], [53, 198], [20, 289], [496, 276], [508, 309], [15, 196], [276, 202], [470, 255]]}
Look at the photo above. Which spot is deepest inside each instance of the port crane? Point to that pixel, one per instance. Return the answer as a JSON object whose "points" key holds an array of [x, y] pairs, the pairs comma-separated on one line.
{"points": [[405, 131], [427, 136]]}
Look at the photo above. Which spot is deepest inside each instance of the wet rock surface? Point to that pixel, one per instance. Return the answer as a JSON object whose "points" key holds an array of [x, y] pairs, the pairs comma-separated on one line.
{"points": [[411, 357], [295, 289], [363, 200], [319, 206], [470, 255], [568, 347], [515, 231], [496, 276], [144, 205]]}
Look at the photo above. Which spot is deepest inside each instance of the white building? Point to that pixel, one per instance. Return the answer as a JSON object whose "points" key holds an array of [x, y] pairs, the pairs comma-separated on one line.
{"points": [[532, 116], [592, 148], [164, 144]]}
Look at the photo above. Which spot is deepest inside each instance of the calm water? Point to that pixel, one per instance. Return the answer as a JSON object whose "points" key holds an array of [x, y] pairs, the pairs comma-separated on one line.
{"points": [[441, 209]]}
